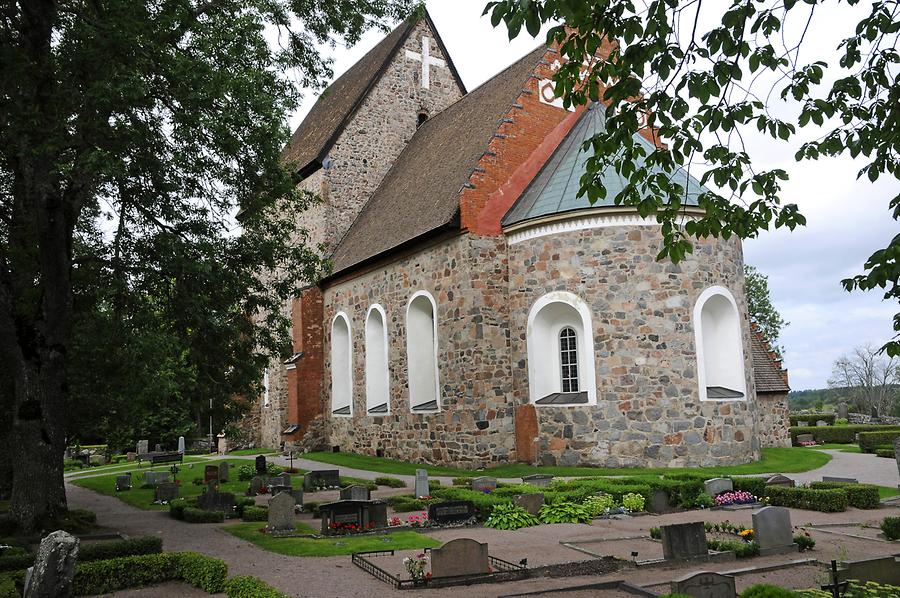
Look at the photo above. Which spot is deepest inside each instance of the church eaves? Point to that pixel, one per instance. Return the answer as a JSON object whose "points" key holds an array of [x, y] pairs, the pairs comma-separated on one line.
{"points": [[319, 131]]}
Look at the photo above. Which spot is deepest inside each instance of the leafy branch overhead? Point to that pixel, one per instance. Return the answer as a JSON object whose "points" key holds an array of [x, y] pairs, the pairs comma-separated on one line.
{"points": [[701, 90]]}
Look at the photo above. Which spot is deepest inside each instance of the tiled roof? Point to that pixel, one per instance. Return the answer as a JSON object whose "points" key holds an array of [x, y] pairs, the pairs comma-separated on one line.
{"points": [[770, 378]]}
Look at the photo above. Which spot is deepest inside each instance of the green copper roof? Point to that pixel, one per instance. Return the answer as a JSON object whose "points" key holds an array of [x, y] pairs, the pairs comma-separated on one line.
{"points": [[555, 189]]}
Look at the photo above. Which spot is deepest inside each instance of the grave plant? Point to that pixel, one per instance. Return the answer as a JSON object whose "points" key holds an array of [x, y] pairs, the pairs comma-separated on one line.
{"points": [[891, 528], [564, 512], [510, 517]]}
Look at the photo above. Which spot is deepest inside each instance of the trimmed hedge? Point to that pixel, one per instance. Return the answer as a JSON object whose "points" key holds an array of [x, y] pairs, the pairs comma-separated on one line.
{"points": [[390, 482], [891, 528], [241, 503], [102, 577], [193, 515], [177, 507], [870, 441], [255, 514], [838, 434], [885, 452], [484, 503], [812, 499], [247, 586], [812, 418], [861, 496], [92, 552]]}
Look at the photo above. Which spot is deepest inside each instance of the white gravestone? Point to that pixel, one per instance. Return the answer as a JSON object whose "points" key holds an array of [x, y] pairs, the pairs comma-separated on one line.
{"points": [[181, 444], [717, 486], [422, 483]]}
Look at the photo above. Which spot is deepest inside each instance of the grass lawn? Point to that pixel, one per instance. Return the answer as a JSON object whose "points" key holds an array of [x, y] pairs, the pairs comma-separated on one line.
{"points": [[254, 452], [781, 460], [844, 448], [887, 492], [125, 466], [143, 497], [405, 540]]}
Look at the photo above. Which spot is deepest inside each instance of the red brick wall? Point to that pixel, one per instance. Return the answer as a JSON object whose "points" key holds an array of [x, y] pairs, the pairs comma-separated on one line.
{"points": [[305, 381]]}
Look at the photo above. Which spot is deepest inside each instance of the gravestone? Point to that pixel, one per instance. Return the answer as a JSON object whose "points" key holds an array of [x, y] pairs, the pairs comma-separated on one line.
{"points": [[158, 448], [154, 478], [705, 584], [538, 479], [143, 447], [803, 423], [210, 474], [820, 423], [54, 568], [772, 531], [780, 480], [297, 494], [717, 486], [684, 541], [273, 490], [462, 556], [97, 460], [181, 444], [884, 570], [530, 502], [123, 482], [451, 511], [222, 444], [843, 411], [484, 484], [281, 512], [321, 478], [256, 484], [827, 478], [130, 456], [659, 501], [282, 479], [261, 465], [801, 438], [356, 492], [364, 514], [165, 492], [421, 488], [213, 500], [224, 469]]}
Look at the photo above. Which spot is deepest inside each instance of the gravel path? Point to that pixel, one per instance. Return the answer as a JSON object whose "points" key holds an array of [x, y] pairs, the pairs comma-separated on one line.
{"points": [[864, 467]]}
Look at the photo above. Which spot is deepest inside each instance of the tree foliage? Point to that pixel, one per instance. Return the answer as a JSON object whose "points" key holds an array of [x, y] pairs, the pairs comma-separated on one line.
{"points": [[704, 88], [130, 134], [761, 310], [870, 379]]}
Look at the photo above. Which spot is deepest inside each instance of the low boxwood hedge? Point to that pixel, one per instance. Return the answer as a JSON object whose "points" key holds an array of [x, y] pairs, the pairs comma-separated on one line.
{"points": [[484, 503], [891, 528], [870, 441], [390, 482], [885, 452], [861, 496], [812, 499], [112, 575], [241, 503], [255, 514], [812, 418], [247, 586], [193, 515], [92, 552], [838, 434]]}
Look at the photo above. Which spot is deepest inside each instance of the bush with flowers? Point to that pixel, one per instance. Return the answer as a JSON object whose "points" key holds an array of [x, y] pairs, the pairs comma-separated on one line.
{"points": [[737, 497], [420, 520], [415, 566], [395, 521], [808, 443], [351, 528]]}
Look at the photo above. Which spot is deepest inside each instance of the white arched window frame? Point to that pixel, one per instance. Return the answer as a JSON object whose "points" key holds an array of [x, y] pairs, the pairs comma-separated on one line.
{"points": [[422, 353], [266, 387], [341, 366], [720, 346], [378, 389], [549, 316]]}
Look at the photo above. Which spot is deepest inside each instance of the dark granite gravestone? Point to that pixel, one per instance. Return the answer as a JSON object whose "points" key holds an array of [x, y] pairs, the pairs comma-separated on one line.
{"points": [[361, 514], [659, 501], [256, 484], [281, 512], [224, 469], [216, 501], [828, 478], [530, 502], [484, 484], [261, 465], [210, 474], [705, 584], [123, 482], [356, 492], [684, 542], [54, 568], [321, 478], [538, 479], [772, 531], [780, 480], [462, 556], [451, 511], [298, 496], [166, 492]]}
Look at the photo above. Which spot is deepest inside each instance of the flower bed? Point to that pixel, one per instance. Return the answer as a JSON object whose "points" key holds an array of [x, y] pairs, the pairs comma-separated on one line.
{"points": [[735, 497]]}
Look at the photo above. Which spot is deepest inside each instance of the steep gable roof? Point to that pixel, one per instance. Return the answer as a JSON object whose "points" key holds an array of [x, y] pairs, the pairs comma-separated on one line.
{"points": [[768, 375], [319, 131], [420, 194]]}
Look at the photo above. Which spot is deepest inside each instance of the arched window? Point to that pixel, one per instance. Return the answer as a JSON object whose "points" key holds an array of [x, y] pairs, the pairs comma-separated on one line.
{"points": [[421, 117], [421, 352], [377, 380], [266, 387], [561, 351], [341, 366], [720, 350]]}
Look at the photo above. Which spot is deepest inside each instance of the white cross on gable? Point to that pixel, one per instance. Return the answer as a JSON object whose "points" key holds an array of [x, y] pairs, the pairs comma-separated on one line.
{"points": [[427, 60]]}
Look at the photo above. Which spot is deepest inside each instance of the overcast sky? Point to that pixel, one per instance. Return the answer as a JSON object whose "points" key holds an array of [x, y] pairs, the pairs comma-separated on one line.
{"points": [[846, 219]]}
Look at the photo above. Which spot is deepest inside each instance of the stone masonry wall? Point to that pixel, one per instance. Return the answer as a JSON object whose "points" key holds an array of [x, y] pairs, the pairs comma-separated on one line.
{"points": [[774, 422], [475, 424], [648, 411]]}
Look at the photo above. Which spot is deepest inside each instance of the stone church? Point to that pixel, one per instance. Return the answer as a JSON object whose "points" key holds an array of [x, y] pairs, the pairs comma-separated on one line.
{"points": [[478, 311]]}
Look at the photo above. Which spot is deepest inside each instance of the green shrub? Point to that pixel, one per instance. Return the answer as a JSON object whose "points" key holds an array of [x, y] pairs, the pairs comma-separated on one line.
{"points": [[409, 504], [255, 514], [241, 503], [869, 441], [891, 528], [434, 484], [838, 434], [861, 496], [764, 590], [247, 586], [201, 571], [509, 516], [71, 464], [117, 548], [885, 452], [655, 533], [16, 562], [484, 503], [812, 418], [312, 507], [741, 549], [194, 515], [827, 501], [597, 505], [346, 481], [804, 542], [390, 482], [755, 486], [246, 472], [112, 575], [462, 482], [177, 507], [565, 512], [633, 502]]}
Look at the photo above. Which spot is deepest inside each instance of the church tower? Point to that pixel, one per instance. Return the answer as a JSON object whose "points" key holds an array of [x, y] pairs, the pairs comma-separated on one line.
{"points": [[342, 150]]}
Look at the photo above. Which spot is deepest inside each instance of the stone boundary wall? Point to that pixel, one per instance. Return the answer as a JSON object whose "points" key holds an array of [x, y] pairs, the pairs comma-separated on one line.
{"points": [[774, 420], [859, 418]]}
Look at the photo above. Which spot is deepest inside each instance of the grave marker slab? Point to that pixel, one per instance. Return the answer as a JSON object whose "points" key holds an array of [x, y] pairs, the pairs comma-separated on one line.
{"points": [[216, 501], [143, 447], [130, 456], [367, 514], [821, 423], [123, 482], [705, 584], [356, 492], [684, 542], [538, 479], [843, 410], [462, 556], [224, 469], [210, 474], [772, 531], [827, 478], [801, 438], [181, 444], [530, 502], [321, 478], [166, 492], [451, 511], [780, 480], [154, 478], [256, 484], [54, 568], [484, 484], [803, 423], [261, 465], [717, 486], [422, 488], [659, 501], [281, 512]]}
